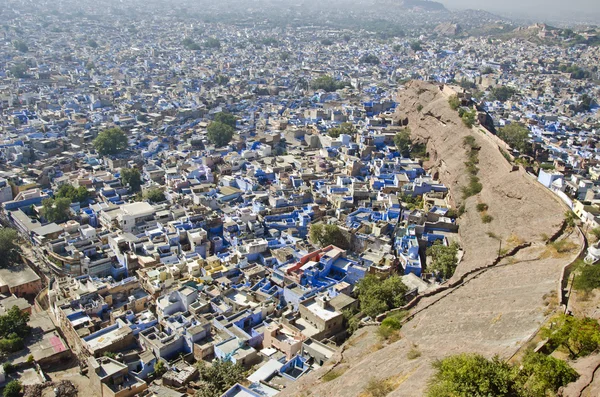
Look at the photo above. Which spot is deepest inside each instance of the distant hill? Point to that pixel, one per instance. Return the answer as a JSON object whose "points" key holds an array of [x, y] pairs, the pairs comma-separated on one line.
{"points": [[424, 4]]}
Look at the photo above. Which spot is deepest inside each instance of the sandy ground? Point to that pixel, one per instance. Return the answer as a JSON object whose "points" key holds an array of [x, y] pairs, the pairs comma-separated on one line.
{"points": [[70, 371]]}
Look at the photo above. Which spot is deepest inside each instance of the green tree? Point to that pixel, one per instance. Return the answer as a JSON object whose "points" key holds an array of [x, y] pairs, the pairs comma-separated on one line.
{"points": [[543, 375], [468, 118], [376, 296], [444, 259], [131, 177], [155, 195], [8, 367], [76, 195], [325, 235], [403, 142], [219, 134], [222, 79], [212, 42], [21, 46], [454, 102], [344, 128], [56, 210], [369, 59], [13, 328], [570, 218], [14, 322], [217, 378], [588, 279], [8, 247], [12, 389], [580, 336], [19, 70], [190, 44], [159, 368], [225, 118], [502, 93], [416, 46], [516, 135], [110, 141], [327, 83], [469, 375]]}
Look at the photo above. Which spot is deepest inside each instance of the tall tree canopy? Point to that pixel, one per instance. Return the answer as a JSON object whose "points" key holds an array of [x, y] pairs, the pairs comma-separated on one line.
{"points": [[324, 235], [219, 134], [377, 296], [131, 177], [468, 375], [56, 210], [219, 377], [225, 118], [110, 141], [76, 195], [445, 259], [8, 247]]}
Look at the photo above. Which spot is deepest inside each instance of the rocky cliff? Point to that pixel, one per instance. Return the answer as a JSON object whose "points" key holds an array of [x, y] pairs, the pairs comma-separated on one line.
{"points": [[494, 311]]}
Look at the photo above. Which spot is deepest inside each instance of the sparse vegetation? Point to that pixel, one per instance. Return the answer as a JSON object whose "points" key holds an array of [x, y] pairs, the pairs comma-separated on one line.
{"points": [[588, 278], [332, 375], [570, 218], [473, 188], [454, 102], [378, 388], [413, 354], [468, 117], [486, 218], [391, 325], [482, 207]]}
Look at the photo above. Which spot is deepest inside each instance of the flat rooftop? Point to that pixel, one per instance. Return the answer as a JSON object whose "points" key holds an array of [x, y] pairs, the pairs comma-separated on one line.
{"points": [[15, 276], [325, 313]]}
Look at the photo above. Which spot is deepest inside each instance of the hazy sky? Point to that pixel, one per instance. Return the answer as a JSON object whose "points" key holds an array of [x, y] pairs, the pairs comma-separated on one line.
{"points": [[531, 8]]}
